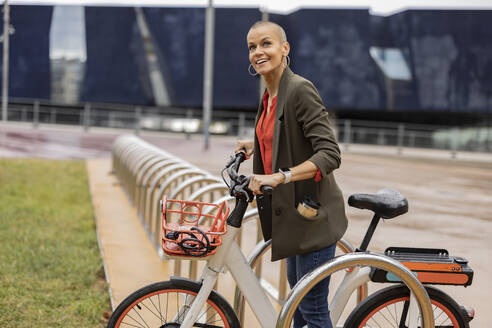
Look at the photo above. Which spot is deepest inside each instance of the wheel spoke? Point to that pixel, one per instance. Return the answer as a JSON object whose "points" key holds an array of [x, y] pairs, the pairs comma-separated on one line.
{"points": [[391, 315], [437, 317], [136, 322], [372, 318], [150, 310], [130, 325], [160, 312], [167, 307], [384, 316], [389, 308], [396, 313], [204, 313], [141, 318]]}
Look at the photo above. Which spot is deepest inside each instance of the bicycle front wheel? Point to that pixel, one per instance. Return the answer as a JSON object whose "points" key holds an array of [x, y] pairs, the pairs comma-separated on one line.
{"points": [[165, 304], [389, 308]]}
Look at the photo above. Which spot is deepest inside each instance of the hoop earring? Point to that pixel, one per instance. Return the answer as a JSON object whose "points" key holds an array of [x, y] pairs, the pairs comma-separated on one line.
{"points": [[287, 58], [249, 70]]}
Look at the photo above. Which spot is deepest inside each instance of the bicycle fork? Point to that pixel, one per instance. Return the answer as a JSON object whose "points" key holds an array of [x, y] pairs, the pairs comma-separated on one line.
{"points": [[191, 313]]}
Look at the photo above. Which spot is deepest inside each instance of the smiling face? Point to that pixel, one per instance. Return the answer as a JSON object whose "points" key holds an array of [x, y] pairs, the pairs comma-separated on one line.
{"points": [[267, 48]]}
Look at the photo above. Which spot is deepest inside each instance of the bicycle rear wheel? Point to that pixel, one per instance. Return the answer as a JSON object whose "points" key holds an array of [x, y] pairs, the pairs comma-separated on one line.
{"points": [[165, 304], [389, 308]]}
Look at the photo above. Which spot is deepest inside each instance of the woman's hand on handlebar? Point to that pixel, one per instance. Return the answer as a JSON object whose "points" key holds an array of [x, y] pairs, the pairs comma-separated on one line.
{"points": [[245, 145], [258, 180]]}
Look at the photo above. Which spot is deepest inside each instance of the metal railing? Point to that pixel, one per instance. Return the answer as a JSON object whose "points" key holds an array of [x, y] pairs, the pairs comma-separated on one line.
{"points": [[234, 122]]}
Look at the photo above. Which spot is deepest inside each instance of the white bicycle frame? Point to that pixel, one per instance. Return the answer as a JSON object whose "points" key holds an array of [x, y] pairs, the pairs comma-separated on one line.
{"points": [[230, 257]]}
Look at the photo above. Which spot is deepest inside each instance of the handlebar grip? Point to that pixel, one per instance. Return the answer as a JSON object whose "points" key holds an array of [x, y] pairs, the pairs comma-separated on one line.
{"points": [[267, 190], [242, 154]]}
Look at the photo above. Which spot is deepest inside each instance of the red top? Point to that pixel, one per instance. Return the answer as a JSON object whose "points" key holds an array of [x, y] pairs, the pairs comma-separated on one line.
{"points": [[264, 133]]}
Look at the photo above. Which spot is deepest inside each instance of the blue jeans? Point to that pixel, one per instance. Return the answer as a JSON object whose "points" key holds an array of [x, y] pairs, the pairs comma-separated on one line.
{"points": [[313, 309]]}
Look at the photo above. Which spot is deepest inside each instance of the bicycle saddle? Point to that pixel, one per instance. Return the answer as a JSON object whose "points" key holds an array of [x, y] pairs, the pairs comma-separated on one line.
{"points": [[387, 203]]}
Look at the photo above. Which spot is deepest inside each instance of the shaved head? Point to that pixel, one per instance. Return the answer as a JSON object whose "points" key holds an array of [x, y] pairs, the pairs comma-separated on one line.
{"points": [[278, 29]]}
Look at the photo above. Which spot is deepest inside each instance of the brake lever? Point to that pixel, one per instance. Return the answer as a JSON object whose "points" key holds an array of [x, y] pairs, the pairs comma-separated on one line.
{"points": [[236, 156], [231, 161], [241, 188]]}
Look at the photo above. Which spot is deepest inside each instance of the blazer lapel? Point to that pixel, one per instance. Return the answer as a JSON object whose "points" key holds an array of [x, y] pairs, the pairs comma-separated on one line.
{"points": [[260, 110], [257, 161], [279, 112]]}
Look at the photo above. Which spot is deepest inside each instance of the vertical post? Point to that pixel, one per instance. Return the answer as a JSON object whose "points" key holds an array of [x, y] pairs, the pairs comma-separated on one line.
{"points": [[381, 140], [53, 116], [346, 133], [241, 123], [401, 135], [476, 144], [411, 143], [138, 116], [208, 71], [24, 114], [259, 237], [111, 119], [177, 268], [488, 140], [35, 114], [454, 142], [193, 272], [189, 116], [5, 64], [262, 86], [87, 116], [282, 288]]}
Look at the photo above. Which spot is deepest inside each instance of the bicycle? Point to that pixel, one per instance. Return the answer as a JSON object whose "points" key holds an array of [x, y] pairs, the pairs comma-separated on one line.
{"points": [[184, 303]]}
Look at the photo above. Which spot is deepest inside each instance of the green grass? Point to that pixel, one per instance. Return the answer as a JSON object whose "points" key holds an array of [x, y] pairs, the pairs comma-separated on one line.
{"points": [[51, 272]]}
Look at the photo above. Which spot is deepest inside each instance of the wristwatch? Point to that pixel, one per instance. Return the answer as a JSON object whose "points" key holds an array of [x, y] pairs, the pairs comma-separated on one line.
{"points": [[287, 174]]}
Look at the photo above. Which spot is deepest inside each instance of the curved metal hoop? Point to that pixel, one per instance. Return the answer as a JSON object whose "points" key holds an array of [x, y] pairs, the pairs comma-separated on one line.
{"points": [[249, 70], [310, 280], [287, 58]]}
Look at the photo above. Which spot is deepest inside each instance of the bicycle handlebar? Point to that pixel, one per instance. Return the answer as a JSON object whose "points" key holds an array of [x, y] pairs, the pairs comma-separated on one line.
{"points": [[266, 189], [239, 185]]}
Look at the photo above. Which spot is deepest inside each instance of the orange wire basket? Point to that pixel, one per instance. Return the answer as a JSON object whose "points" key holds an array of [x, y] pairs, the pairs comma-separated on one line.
{"points": [[192, 229]]}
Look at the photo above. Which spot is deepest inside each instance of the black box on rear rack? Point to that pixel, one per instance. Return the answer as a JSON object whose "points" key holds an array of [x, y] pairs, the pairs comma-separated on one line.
{"points": [[430, 265]]}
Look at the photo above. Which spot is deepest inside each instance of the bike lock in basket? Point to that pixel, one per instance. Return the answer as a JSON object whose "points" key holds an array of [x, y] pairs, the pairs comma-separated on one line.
{"points": [[192, 229]]}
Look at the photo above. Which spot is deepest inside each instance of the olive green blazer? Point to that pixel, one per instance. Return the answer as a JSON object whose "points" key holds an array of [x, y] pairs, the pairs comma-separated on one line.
{"points": [[302, 132]]}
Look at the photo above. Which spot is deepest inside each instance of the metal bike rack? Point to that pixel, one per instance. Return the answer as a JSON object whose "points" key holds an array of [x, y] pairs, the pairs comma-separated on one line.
{"points": [[310, 280], [147, 173], [147, 178], [174, 180], [142, 172], [191, 185], [147, 182], [159, 178], [149, 157], [209, 190]]}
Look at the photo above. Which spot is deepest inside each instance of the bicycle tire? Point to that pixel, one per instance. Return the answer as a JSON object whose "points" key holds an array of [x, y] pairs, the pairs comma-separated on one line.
{"points": [[386, 308], [145, 307]]}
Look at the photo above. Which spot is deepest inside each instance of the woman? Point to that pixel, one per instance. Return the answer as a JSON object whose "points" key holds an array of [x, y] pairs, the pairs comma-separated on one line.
{"points": [[295, 151]]}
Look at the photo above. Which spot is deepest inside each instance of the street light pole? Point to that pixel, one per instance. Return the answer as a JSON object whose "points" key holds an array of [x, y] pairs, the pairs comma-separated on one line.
{"points": [[208, 75], [262, 86], [5, 67]]}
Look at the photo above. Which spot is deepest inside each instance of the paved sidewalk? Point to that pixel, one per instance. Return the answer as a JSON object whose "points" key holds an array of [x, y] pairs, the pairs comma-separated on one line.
{"points": [[122, 238]]}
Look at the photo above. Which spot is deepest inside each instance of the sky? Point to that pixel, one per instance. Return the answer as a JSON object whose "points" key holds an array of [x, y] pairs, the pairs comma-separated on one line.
{"points": [[379, 7]]}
